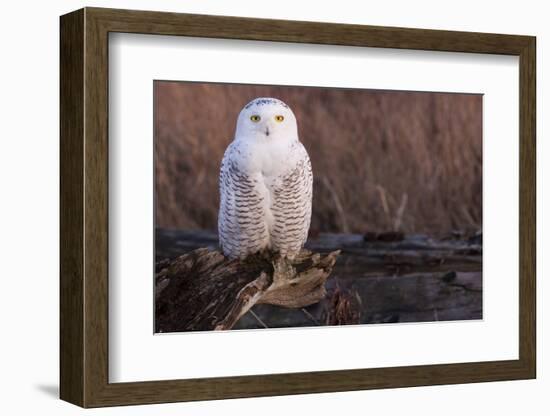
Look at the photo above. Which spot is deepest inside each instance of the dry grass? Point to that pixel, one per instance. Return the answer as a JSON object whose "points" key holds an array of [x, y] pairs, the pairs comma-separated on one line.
{"points": [[344, 307], [382, 160]]}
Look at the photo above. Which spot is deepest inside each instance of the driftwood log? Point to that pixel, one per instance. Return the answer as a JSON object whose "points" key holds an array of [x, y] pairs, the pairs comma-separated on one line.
{"points": [[203, 290], [378, 278]]}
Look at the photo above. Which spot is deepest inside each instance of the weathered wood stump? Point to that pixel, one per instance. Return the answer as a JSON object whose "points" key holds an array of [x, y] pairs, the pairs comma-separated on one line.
{"points": [[378, 278], [203, 290]]}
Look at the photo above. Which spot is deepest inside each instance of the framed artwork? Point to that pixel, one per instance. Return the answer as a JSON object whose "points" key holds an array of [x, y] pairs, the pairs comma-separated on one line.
{"points": [[255, 207]]}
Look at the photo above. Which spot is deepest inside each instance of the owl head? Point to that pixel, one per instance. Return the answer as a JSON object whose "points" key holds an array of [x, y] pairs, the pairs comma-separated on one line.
{"points": [[266, 120]]}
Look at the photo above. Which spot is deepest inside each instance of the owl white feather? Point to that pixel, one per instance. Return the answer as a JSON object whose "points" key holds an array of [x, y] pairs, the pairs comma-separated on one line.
{"points": [[265, 184]]}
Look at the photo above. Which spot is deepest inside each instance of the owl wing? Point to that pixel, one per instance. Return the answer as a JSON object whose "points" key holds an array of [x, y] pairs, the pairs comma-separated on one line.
{"points": [[242, 226], [291, 207]]}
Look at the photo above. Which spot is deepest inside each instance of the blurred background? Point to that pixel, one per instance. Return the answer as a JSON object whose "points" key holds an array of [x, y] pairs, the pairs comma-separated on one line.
{"points": [[382, 160]]}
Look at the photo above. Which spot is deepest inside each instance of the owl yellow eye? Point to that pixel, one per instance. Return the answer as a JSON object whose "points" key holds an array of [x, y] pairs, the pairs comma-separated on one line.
{"points": [[279, 118], [255, 118]]}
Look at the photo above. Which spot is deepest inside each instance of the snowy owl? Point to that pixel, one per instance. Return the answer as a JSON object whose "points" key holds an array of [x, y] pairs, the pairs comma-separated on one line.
{"points": [[265, 184]]}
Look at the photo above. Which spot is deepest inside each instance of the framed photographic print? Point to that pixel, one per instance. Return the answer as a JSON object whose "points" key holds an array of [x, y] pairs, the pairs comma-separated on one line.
{"points": [[255, 207]]}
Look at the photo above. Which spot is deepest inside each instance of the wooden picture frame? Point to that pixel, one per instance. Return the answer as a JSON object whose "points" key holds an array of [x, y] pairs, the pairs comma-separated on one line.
{"points": [[84, 207]]}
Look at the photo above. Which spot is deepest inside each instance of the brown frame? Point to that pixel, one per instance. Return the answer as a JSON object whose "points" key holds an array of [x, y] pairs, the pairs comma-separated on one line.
{"points": [[84, 209]]}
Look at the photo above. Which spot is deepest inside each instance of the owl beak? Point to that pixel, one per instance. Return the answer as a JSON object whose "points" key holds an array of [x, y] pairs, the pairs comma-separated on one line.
{"points": [[267, 131]]}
